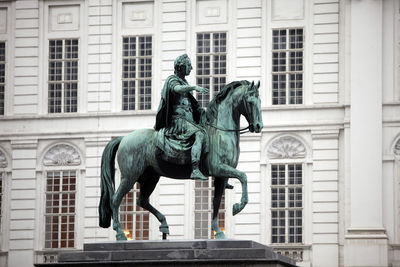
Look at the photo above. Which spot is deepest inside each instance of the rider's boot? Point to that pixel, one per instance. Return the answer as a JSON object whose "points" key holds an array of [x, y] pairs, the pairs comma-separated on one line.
{"points": [[196, 153], [196, 173]]}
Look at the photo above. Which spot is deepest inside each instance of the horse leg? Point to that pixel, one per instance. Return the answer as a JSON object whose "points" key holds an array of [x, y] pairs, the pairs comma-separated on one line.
{"points": [[124, 187], [147, 184], [226, 171], [219, 186]]}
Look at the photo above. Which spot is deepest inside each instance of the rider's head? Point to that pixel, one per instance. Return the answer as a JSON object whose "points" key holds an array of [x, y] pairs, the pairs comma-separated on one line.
{"points": [[182, 65]]}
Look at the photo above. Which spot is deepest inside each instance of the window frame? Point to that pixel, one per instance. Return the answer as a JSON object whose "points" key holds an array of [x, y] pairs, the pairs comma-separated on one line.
{"points": [[63, 82], [46, 35], [287, 72], [286, 186], [59, 214], [5, 202], [212, 54], [198, 186], [136, 212], [4, 84], [49, 253], [137, 79]]}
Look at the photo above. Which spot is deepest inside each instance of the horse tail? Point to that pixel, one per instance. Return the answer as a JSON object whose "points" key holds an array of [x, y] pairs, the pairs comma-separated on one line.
{"points": [[107, 182]]}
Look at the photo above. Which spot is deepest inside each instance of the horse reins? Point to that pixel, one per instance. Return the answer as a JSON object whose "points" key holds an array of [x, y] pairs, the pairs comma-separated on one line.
{"points": [[241, 130]]}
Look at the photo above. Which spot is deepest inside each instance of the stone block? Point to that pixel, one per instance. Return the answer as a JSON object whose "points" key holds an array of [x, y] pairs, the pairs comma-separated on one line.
{"points": [[172, 253]]}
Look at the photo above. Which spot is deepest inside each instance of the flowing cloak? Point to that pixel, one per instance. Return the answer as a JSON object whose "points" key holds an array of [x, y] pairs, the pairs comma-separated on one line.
{"points": [[175, 136], [165, 109]]}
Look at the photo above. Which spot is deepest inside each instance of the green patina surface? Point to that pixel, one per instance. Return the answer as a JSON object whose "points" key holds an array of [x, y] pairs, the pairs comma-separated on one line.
{"points": [[187, 142]]}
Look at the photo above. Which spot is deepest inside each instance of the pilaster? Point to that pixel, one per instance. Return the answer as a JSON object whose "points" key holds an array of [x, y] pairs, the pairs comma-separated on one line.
{"points": [[22, 203], [366, 242], [325, 197], [94, 149]]}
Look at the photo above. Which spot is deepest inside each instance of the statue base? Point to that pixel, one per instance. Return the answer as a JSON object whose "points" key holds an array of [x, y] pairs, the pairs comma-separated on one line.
{"points": [[173, 253]]}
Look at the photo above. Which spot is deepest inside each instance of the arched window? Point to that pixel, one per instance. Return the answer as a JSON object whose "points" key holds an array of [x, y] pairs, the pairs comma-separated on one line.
{"points": [[60, 208], [286, 157]]}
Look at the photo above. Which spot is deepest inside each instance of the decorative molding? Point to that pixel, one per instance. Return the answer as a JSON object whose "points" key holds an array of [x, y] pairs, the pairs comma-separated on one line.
{"points": [[397, 148], [3, 160], [286, 147], [211, 12], [62, 155], [64, 18], [137, 14]]}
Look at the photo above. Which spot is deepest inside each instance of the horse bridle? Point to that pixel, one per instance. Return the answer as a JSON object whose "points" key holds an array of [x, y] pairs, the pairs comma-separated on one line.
{"points": [[241, 130]]}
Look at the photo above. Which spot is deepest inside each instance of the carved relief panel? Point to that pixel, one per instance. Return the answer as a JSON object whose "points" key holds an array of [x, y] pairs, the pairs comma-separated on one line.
{"points": [[3, 160], [64, 18], [62, 155], [212, 12], [286, 147], [137, 15]]}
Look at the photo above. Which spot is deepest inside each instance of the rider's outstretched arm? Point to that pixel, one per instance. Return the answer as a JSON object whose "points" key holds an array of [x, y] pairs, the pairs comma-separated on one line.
{"points": [[181, 89]]}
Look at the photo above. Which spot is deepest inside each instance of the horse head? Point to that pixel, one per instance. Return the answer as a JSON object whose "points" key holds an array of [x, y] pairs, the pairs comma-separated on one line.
{"points": [[251, 107]]}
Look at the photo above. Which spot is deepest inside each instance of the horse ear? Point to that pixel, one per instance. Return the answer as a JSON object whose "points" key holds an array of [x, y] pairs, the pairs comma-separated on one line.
{"points": [[258, 84], [252, 84]]}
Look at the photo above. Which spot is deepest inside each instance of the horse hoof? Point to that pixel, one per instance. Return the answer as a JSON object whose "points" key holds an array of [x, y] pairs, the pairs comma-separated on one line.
{"points": [[121, 236], [164, 229], [236, 209], [220, 235]]}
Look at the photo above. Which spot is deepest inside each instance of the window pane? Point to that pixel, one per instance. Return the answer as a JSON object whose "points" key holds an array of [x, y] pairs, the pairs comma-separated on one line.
{"points": [[204, 193], [287, 66], [2, 75], [134, 219], [211, 64], [286, 203], [136, 72], [60, 209], [63, 68]]}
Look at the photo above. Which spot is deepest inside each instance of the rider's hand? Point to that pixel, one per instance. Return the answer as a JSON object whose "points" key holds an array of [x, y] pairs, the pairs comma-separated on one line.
{"points": [[201, 89]]}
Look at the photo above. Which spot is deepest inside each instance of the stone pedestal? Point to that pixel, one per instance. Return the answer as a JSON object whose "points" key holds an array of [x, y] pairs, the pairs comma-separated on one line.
{"points": [[173, 253]]}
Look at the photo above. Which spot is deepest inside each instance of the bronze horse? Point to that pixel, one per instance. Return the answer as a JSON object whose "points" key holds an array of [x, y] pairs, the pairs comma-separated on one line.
{"points": [[138, 162]]}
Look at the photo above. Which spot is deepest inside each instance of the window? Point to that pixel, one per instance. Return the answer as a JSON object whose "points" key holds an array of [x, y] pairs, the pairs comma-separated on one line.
{"points": [[1, 196], [286, 203], [211, 64], [2, 75], [63, 76], [287, 66], [204, 195], [60, 209], [134, 219], [136, 72]]}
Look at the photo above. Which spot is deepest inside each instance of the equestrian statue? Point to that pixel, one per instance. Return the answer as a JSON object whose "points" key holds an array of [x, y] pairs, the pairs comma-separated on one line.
{"points": [[187, 142]]}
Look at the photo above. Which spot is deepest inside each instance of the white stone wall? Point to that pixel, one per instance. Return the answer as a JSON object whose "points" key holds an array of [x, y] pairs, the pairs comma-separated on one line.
{"points": [[349, 122]]}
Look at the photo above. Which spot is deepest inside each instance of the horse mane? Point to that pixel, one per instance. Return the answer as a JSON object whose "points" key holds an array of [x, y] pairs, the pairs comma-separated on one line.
{"points": [[212, 108]]}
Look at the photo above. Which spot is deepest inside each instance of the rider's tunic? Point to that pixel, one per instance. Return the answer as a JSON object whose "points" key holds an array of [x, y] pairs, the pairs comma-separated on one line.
{"points": [[178, 118]]}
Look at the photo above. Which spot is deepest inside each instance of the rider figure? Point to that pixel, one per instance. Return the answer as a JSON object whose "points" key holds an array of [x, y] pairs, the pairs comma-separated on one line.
{"points": [[180, 113]]}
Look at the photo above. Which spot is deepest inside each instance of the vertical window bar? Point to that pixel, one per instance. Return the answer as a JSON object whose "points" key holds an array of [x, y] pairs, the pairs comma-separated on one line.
{"points": [[286, 204], [63, 76], [2, 75], [211, 64], [134, 219], [60, 209], [136, 72], [287, 66], [204, 194]]}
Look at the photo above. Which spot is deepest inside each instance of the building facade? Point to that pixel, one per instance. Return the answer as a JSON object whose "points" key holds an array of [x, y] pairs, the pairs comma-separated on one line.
{"points": [[323, 175]]}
